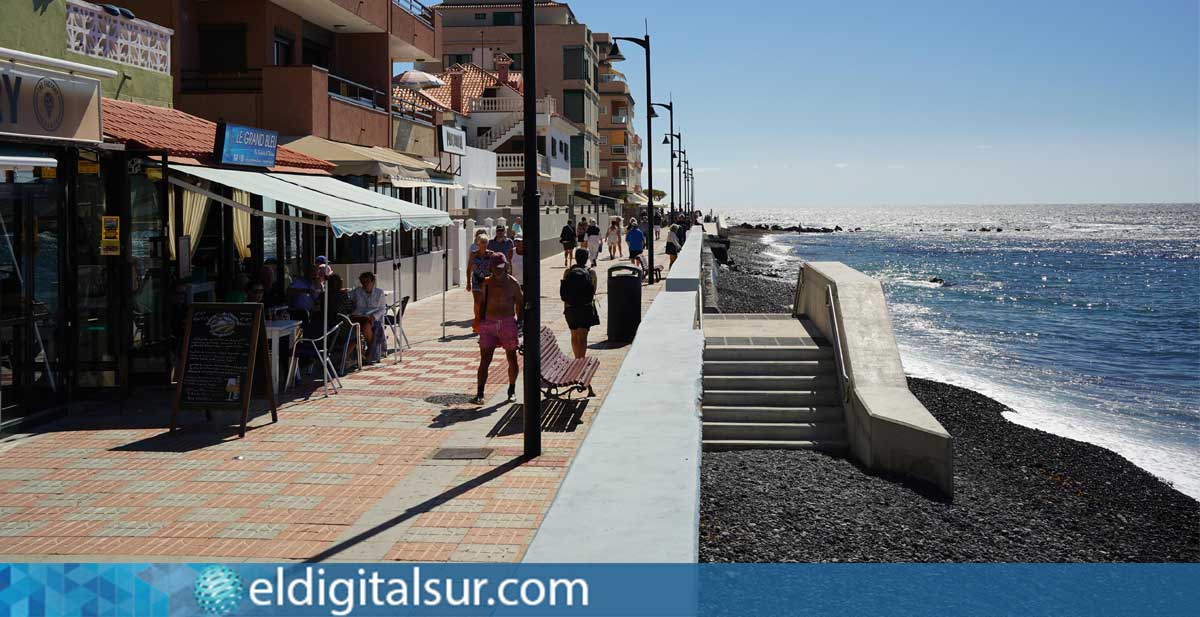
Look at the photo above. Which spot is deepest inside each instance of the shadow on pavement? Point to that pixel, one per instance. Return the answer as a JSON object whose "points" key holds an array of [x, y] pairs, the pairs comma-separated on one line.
{"points": [[558, 416]]}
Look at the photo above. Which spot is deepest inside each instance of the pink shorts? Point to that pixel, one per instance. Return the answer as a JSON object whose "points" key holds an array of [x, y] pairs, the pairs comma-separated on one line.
{"points": [[498, 332]]}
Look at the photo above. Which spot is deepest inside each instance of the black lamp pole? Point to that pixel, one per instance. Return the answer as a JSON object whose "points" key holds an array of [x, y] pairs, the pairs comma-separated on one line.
{"points": [[644, 43], [669, 106], [532, 215]]}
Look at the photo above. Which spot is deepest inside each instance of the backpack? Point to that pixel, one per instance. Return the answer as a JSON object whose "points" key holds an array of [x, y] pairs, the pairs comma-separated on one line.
{"points": [[576, 289]]}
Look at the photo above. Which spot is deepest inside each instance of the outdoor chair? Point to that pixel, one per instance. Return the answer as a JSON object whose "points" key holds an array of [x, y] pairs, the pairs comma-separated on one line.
{"points": [[394, 321], [353, 341], [317, 345]]}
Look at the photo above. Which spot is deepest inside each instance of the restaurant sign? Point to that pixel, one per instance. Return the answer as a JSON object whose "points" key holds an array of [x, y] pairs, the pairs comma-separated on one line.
{"points": [[44, 104], [454, 141], [244, 145]]}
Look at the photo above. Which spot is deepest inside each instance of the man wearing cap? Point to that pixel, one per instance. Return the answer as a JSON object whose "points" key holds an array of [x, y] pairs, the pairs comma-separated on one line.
{"points": [[500, 303]]}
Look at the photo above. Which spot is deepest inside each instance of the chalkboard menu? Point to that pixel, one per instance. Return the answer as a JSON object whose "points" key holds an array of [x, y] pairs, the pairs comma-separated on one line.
{"points": [[224, 354]]}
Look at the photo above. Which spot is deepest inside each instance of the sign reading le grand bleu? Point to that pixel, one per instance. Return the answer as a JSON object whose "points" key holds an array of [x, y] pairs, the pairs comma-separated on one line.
{"points": [[245, 145]]}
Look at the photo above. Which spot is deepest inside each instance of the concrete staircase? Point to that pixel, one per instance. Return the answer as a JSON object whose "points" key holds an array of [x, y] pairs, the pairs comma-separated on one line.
{"points": [[772, 397]]}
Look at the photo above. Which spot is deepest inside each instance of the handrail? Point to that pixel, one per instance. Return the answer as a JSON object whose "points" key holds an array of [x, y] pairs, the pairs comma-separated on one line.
{"points": [[835, 329], [342, 87], [416, 9]]}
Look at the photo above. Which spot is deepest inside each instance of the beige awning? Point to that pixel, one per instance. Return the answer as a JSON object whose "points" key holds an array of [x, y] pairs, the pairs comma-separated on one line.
{"points": [[636, 198], [396, 168]]}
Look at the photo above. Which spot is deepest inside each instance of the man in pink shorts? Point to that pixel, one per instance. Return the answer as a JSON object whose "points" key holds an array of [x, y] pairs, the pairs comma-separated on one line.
{"points": [[500, 303]]}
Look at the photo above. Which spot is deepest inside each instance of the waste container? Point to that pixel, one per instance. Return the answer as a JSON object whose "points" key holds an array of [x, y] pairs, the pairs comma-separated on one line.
{"points": [[624, 302]]}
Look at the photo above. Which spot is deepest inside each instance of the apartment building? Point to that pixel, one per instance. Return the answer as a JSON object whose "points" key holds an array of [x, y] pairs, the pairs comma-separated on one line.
{"points": [[299, 67], [620, 146], [475, 31]]}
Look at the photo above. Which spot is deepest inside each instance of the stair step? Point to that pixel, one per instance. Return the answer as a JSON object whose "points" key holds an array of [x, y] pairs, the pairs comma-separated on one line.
{"points": [[738, 352], [770, 382], [772, 398], [774, 431], [770, 367], [718, 413], [720, 445]]}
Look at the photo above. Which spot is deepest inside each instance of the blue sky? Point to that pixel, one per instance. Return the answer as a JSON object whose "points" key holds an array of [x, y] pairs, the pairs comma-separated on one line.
{"points": [[793, 103]]}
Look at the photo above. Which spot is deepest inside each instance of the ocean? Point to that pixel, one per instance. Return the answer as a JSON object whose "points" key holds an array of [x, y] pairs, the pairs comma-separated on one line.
{"points": [[1084, 319]]}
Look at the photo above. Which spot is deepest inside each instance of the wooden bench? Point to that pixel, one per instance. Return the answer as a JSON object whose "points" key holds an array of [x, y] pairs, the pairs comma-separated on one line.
{"points": [[562, 375], [656, 275]]}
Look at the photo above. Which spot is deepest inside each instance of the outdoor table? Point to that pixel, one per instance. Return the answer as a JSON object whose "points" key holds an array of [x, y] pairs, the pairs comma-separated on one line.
{"points": [[276, 330]]}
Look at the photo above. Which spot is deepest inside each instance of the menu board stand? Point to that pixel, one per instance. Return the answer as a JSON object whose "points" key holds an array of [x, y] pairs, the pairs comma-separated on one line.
{"points": [[225, 354]]}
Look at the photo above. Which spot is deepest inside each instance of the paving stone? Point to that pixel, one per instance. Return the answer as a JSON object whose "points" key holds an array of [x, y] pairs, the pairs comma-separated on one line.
{"points": [[66, 501], [288, 466], [44, 486], [291, 502], [257, 488], [511, 521], [149, 486], [213, 515], [191, 465], [222, 476], [252, 531], [319, 447], [96, 463], [434, 534], [262, 455], [10, 529], [176, 500], [326, 478], [349, 458], [97, 513], [128, 529], [23, 474], [70, 452], [505, 553]]}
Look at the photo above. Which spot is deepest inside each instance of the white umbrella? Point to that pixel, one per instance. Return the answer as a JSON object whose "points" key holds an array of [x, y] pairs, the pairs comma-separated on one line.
{"points": [[418, 80]]}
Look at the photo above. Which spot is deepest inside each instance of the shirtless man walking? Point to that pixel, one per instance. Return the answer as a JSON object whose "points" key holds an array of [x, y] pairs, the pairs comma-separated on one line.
{"points": [[500, 302]]}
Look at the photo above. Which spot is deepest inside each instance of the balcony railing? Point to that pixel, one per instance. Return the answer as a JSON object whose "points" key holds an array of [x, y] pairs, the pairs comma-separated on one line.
{"points": [[611, 77], [416, 9], [413, 110], [516, 162], [250, 80], [620, 181], [510, 104], [135, 42], [355, 92], [620, 118]]}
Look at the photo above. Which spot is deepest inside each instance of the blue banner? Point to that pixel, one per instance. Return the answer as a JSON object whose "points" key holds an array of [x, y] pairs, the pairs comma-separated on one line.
{"points": [[245, 145], [593, 589]]}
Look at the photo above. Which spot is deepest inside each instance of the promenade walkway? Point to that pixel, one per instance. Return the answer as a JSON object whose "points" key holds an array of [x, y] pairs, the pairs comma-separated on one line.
{"points": [[349, 477]]}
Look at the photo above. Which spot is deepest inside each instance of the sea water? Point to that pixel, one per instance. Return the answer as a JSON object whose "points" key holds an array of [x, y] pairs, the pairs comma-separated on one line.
{"points": [[1084, 319]]}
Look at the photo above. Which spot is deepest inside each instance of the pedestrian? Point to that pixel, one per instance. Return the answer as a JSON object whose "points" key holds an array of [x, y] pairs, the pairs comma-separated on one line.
{"points": [[518, 260], [370, 309], [323, 266], [613, 238], [593, 240], [636, 241], [672, 243], [581, 233], [502, 243], [517, 228], [478, 266], [657, 224], [578, 291], [566, 237], [500, 303]]}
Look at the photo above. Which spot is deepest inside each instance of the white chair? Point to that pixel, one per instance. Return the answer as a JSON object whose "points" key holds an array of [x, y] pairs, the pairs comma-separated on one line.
{"points": [[318, 353], [394, 321], [354, 337]]}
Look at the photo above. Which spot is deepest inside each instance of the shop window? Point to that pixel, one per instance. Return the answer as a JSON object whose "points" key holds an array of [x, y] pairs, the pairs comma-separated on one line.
{"points": [[224, 48]]}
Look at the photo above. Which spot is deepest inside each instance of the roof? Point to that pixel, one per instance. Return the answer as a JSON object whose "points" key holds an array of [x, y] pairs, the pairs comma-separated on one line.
{"points": [[481, 4], [182, 134], [475, 80]]}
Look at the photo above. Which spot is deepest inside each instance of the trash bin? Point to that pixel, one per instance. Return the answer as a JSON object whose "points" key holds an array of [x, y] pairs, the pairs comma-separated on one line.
{"points": [[624, 302]]}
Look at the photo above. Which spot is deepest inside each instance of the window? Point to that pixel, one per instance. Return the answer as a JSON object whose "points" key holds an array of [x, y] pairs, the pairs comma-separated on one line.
{"points": [[452, 59], [480, 16], [603, 140], [314, 53], [518, 61], [281, 49], [225, 49], [573, 105], [577, 151], [574, 63], [618, 149], [553, 147], [504, 18]]}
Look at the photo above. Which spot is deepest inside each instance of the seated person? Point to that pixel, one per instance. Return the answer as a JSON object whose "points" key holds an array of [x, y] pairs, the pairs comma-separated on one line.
{"points": [[302, 295], [340, 301], [238, 293], [255, 291], [370, 307]]}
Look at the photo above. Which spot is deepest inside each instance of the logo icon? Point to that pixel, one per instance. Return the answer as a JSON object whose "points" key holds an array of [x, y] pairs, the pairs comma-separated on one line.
{"points": [[218, 590], [222, 325], [48, 104]]}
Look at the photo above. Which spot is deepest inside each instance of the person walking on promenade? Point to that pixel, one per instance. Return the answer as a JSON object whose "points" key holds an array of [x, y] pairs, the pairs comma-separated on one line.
{"points": [[581, 233], [370, 307], [502, 243], [636, 241], [517, 228], [478, 266], [613, 238], [657, 218], [501, 302], [566, 237], [577, 291], [593, 240], [672, 243]]}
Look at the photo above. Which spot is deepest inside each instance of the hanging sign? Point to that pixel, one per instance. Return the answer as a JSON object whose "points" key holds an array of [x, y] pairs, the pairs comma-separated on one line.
{"points": [[225, 355], [245, 145], [454, 141], [110, 235], [45, 104]]}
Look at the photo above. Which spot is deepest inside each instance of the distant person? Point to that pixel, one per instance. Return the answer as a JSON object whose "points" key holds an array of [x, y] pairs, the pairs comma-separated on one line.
{"points": [[636, 241], [613, 239], [370, 309], [255, 291], [340, 301], [577, 291], [502, 243], [238, 293], [517, 228], [518, 260], [566, 237], [581, 233], [500, 304], [673, 243], [657, 224], [478, 266], [593, 240], [324, 267], [304, 292]]}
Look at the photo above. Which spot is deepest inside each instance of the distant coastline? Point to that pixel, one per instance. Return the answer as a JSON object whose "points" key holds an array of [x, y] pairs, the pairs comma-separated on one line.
{"points": [[1021, 494]]}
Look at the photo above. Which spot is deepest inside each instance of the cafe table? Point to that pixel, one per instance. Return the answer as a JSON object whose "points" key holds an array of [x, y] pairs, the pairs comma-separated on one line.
{"points": [[278, 329]]}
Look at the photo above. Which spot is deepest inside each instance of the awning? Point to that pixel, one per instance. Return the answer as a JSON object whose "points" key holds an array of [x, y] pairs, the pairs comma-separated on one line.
{"points": [[636, 199], [483, 187], [345, 217], [396, 168], [413, 216]]}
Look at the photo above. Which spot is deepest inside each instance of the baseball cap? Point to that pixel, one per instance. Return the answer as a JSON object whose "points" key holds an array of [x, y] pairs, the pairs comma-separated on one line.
{"points": [[518, 238], [498, 260], [322, 259]]}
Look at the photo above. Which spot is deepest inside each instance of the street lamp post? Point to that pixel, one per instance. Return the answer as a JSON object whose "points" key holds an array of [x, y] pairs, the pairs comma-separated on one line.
{"points": [[671, 134], [532, 310], [644, 43]]}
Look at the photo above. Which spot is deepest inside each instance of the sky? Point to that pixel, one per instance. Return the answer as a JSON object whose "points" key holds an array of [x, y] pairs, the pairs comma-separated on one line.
{"points": [[881, 102]]}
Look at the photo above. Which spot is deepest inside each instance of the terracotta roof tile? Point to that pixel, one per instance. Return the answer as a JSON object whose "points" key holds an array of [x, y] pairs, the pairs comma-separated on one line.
{"points": [[475, 81], [180, 134]]}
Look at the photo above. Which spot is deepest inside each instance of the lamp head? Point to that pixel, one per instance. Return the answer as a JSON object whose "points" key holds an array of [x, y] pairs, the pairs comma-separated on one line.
{"points": [[667, 142], [614, 52]]}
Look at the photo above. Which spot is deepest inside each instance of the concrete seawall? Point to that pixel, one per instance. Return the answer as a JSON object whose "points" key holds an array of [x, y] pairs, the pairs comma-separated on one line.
{"points": [[632, 495], [887, 427]]}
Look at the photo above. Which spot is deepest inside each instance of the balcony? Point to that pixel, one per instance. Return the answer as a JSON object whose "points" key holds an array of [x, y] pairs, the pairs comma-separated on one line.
{"points": [[613, 83], [620, 118], [133, 42], [413, 31], [423, 13], [619, 181], [510, 104], [515, 162]]}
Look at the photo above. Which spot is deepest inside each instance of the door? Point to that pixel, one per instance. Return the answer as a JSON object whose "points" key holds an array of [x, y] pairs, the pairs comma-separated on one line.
{"points": [[30, 310]]}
